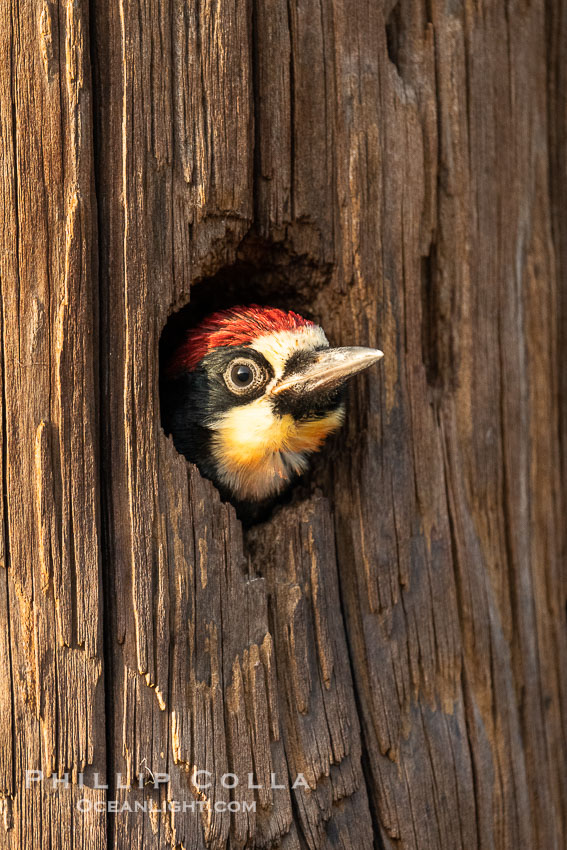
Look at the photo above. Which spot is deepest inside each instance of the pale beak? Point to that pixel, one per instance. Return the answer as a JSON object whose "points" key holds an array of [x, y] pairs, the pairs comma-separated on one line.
{"points": [[328, 369]]}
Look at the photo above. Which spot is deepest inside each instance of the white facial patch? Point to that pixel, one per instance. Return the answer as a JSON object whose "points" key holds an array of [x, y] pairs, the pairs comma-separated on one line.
{"points": [[278, 347]]}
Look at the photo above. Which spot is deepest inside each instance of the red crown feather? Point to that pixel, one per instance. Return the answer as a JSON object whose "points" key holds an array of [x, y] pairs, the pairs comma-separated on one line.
{"points": [[236, 326]]}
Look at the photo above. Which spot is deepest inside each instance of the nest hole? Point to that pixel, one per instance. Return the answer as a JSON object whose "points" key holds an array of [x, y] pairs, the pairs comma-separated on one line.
{"points": [[263, 274]]}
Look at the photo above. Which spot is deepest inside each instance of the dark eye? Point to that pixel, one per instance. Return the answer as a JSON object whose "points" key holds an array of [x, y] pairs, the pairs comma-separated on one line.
{"points": [[244, 376]]}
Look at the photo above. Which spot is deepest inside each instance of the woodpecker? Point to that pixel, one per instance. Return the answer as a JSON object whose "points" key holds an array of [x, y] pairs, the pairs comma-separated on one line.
{"points": [[251, 393]]}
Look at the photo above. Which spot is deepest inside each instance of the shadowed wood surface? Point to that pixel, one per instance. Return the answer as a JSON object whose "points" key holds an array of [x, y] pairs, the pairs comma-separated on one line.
{"points": [[386, 656]]}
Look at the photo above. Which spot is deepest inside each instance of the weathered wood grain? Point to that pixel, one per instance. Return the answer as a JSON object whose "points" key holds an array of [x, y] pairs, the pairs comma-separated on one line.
{"points": [[295, 553], [51, 649], [556, 30], [395, 169]]}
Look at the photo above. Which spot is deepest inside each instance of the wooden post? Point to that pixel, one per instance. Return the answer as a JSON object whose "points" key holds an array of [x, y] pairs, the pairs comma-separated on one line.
{"points": [[384, 662]]}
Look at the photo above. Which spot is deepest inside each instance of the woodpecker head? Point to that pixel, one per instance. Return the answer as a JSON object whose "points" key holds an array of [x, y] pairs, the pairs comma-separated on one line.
{"points": [[251, 393]]}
